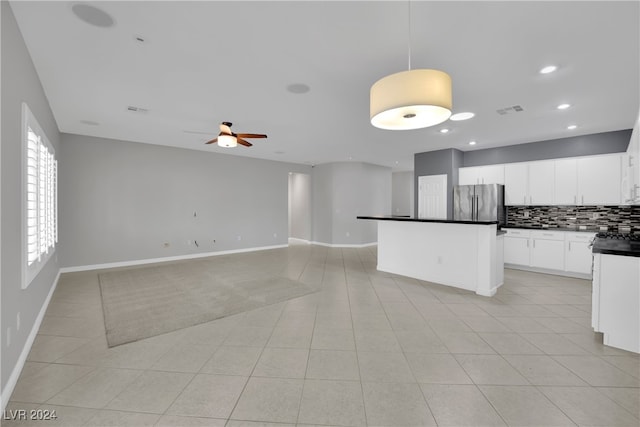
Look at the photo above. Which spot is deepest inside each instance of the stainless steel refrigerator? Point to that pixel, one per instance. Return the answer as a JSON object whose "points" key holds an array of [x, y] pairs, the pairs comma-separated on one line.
{"points": [[484, 202]]}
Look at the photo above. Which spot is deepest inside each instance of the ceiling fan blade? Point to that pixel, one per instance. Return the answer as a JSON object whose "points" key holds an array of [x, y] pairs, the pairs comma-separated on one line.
{"points": [[251, 135], [224, 128], [243, 142], [213, 141]]}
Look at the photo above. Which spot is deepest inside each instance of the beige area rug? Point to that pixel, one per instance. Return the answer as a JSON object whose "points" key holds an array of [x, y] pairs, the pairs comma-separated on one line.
{"points": [[146, 301]]}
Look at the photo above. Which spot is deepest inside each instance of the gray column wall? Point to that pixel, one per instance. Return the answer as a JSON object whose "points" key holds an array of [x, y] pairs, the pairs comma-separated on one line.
{"points": [[341, 192], [402, 193], [20, 83]]}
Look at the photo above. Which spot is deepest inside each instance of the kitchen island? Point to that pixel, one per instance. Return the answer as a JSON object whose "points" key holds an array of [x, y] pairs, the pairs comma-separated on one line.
{"points": [[462, 254]]}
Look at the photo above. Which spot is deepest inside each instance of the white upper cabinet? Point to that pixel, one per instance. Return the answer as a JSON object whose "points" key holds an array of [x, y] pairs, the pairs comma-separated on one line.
{"points": [[491, 174], [599, 180], [631, 169], [515, 184], [529, 183], [566, 182], [542, 183], [575, 181]]}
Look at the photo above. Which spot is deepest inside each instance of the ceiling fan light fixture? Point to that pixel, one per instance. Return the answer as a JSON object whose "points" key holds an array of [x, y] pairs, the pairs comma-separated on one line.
{"points": [[411, 99], [227, 141]]}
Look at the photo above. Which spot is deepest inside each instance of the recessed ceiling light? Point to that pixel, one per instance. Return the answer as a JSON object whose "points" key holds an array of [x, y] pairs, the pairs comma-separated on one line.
{"points": [[298, 88], [396, 162], [563, 106], [89, 122], [548, 69], [571, 127], [461, 116], [444, 130], [472, 143], [92, 15]]}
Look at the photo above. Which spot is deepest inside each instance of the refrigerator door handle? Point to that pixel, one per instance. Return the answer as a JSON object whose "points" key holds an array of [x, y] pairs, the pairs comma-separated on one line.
{"points": [[473, 206], [477, 207]]}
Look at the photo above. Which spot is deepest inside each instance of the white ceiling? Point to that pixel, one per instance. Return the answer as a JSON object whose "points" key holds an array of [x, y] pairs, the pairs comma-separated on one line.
{"points": [[207, 62]]}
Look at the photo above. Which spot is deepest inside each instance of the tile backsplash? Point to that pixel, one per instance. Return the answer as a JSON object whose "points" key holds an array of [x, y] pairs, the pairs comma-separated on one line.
{"points": [[593, 217]]}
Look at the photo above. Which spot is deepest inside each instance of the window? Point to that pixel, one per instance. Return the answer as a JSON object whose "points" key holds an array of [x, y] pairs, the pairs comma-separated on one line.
{"points": [[40, 197]]}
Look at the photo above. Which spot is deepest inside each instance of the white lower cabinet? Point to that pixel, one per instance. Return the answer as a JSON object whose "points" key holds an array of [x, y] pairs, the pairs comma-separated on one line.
{"points": [[547, 250], [578, 257], [567, 253], [516, 247]]}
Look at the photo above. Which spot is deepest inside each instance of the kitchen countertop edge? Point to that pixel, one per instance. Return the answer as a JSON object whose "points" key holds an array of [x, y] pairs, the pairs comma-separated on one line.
{"points": [[444, 221]]}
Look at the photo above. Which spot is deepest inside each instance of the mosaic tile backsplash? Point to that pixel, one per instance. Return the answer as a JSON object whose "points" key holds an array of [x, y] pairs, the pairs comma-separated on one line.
{"points": [[593, 217]]}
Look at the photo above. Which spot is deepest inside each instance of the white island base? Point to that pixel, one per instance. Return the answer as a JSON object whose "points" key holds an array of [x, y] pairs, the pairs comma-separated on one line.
{"points": [[463, 255]]}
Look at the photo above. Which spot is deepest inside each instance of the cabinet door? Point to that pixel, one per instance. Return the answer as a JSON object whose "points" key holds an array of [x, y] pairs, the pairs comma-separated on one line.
{"points": [[547, 254], [541, 183], [631, 191], [515, 184], [468, 176], [516, 250], [493, 174], [566, 182], [599, 180], [578, 257]]}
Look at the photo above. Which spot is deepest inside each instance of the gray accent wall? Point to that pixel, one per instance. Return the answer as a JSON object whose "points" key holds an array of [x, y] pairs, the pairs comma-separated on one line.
{"points": [[437, 163], [341, 192], [124, 201], [402, 193], [20, 83], [583, 145]]}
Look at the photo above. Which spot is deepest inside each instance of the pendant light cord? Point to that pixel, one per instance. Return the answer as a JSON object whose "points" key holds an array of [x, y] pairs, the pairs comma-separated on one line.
{"points": [[409, 26]]}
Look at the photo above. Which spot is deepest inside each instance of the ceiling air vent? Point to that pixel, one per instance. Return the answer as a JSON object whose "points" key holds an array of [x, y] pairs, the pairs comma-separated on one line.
{"points": [[137, 109], [508, 110]]}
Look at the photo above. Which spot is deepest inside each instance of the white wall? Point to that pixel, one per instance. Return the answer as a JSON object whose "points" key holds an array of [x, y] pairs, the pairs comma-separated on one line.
{"points": [[343, 191], [123, 201], [402, 193], [19, 83]]}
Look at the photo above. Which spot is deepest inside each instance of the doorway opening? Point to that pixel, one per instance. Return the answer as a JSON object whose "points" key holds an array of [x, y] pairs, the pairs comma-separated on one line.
{"points": [[299, 207]]}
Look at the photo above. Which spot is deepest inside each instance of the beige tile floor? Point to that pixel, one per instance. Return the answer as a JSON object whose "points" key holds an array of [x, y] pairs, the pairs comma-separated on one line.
{"points": [[369, 349]]}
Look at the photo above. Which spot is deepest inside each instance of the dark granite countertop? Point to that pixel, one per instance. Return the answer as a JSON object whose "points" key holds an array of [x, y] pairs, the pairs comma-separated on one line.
{"points": [[616, 247], [409, 219], [588, 230]]}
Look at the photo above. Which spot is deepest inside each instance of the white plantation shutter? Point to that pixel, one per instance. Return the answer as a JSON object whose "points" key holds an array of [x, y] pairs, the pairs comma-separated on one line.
{"points": [[33, 252], [41, 197]]}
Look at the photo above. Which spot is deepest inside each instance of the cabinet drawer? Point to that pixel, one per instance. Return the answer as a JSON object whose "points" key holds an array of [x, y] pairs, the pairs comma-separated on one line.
{"points": [[580, 237], [547, 235], [517, 232]]}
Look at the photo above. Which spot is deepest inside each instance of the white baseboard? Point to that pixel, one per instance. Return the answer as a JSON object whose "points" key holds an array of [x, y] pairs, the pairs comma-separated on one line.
{"points": [[15, 374], [340, 245], [164, 259], [549, 271], [296, 240]]}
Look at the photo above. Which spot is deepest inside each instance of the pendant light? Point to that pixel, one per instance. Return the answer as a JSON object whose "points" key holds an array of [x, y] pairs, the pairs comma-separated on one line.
{"points": [[411, 99]]}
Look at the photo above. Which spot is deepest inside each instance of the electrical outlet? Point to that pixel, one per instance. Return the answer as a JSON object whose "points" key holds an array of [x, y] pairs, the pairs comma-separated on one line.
{"points": [[275, 235], [348, 234], [239, 238], [166, 244], [439, 260], [525, 214], [596, 215]]}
